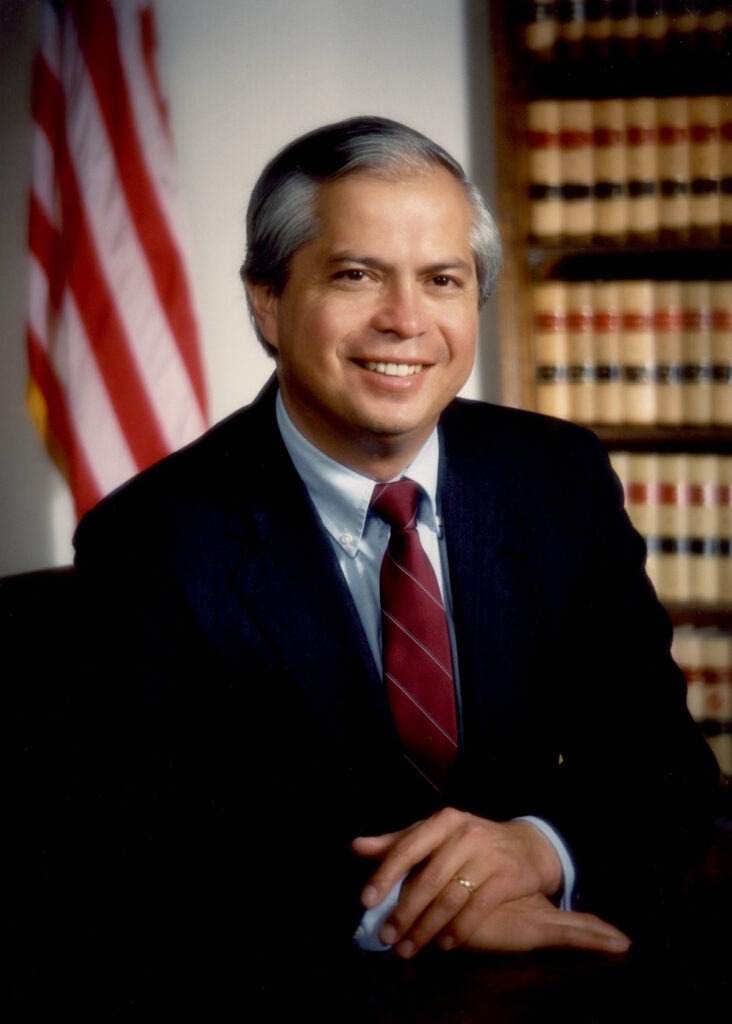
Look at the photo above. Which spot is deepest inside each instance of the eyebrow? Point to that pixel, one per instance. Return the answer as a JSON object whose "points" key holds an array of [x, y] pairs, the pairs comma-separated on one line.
{"points": [[373, 263]]}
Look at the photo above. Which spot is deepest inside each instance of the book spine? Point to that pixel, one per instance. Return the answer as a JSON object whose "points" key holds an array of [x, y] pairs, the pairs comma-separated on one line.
{"points": [[653, 28], [703, 526], [683, 26], [550, 348], [687, 650], [571, 22], [599, 30], [577, 167], [581, 352], [705, 658], [606, 325], [538, 29], [668, 324], [724, 513], [674, 578], [721, 746], [727, 46], [625, 30], [610, 170], [638, 352], [716, 710], [641, 502], [724, 519], [545, 171], [711, 30], [641, 132], [704, 167], [721, 300], [697, 352], [619, 463], [725, 165], [674, 168]]}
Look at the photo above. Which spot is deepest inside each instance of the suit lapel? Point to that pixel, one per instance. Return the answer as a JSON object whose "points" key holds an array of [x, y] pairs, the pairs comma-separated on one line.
{"points": [[491, 580], [288, 580]]}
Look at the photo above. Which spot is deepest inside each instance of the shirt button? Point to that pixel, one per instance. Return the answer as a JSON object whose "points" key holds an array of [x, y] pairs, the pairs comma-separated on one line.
{"points": [[346, 538]]}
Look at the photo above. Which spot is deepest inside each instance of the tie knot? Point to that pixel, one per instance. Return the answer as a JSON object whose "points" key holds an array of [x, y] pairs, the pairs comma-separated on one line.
{"points": [[396, 503]]}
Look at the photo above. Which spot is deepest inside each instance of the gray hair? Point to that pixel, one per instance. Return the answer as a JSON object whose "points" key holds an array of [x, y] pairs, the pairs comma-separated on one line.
{"points": [[282, 217]]}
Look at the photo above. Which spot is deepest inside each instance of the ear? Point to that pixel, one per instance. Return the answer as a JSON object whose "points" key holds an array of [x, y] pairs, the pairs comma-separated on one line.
{"points": [[264, 306]]}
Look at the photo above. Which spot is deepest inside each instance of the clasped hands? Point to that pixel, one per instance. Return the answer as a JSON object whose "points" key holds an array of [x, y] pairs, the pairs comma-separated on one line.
{"points": [[512, 870]]}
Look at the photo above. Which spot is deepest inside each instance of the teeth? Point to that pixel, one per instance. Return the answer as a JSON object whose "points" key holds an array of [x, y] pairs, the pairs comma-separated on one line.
{"points": [[395, 369]]}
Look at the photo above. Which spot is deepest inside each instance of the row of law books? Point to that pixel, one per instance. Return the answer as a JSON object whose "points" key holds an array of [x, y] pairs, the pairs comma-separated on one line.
{"points": [[681, 504], [630, 170], [641, 352], [623, 29], [705, 657]]}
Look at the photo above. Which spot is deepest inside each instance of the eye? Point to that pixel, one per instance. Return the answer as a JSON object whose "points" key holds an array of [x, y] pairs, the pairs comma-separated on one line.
{"points": [[352, 274], [445, 281]]}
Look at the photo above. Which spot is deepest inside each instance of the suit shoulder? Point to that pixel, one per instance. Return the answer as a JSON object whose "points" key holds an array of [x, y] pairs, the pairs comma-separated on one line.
{"points": [[207, 472], [484, 427]]}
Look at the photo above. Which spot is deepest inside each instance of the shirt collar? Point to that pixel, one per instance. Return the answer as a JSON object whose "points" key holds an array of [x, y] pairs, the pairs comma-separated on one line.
{"points": [[341, 495]]}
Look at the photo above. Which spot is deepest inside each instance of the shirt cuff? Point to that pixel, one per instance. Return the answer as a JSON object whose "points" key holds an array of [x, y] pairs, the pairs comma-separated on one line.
{"points": [[566, 900], [366, 936]]}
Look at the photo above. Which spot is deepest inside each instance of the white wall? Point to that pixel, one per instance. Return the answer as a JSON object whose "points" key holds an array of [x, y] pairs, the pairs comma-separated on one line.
{"points": [[242, 78]]}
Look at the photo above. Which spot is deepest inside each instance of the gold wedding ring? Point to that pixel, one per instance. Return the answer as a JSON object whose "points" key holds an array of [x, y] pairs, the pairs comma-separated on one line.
{"points": [[466, 883]]}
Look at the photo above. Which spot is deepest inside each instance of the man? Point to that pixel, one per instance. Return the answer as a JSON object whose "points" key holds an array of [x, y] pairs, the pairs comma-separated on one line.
{"points": [[269, 793]]}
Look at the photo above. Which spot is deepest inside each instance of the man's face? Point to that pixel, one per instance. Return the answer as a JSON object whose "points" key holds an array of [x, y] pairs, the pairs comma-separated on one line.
{"points": [[376, 328]]}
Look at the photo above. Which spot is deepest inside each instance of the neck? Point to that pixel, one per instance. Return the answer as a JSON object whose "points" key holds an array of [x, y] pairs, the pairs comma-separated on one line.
{"points": [[380, 457]]}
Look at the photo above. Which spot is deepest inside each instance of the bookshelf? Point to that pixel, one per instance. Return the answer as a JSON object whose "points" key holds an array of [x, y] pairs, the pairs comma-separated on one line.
{"points": [[614, 169]]}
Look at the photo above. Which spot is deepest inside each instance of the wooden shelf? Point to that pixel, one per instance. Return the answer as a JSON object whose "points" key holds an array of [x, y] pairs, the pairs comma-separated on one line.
{"points": [[665, 439], [695, 67], [662, 261], [700, 615]]}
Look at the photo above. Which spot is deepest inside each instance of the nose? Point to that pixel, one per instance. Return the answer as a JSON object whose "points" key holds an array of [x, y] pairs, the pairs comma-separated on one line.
{"points": [[401, 311]]}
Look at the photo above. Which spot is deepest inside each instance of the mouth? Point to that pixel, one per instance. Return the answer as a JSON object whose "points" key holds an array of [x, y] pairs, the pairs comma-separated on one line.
{"points": [[393, 369]]}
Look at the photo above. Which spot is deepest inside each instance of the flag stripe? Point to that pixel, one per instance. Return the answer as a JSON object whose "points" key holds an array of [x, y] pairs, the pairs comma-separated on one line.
{"points": [[96, 304], [98, 41], [97, 436], [59, 427], [148, 46], [116, 379], [151, 343]]}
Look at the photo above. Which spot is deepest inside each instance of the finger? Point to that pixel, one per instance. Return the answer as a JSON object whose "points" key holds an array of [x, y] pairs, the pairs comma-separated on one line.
{"points": [[375, 847], [454, 913], [420, 842], [406, 850], [499, 888], [440, 893], [535, 923], [413, 931], [585, 931], [441, 900]]}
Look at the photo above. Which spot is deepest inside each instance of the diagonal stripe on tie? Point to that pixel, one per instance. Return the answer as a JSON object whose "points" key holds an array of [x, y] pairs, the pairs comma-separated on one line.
{"points": [[415, 641]]}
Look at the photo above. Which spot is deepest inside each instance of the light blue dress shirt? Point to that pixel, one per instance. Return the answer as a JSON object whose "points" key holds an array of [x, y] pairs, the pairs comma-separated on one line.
{"points": [[341, 497]]}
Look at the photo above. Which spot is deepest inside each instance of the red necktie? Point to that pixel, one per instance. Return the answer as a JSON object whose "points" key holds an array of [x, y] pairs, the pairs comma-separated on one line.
{"points": [[415, 643]]}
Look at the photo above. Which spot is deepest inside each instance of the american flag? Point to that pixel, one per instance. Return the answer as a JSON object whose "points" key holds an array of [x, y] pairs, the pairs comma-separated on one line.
{"points": [[116, 380]]}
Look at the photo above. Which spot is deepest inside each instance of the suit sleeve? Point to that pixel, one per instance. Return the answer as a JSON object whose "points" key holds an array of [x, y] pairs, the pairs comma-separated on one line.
{"points": [[212, 793], [637, 781], [572, 707]]}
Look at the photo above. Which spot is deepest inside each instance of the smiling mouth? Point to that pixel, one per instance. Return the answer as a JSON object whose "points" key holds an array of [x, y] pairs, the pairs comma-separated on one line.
{"points": [[394, 369]]}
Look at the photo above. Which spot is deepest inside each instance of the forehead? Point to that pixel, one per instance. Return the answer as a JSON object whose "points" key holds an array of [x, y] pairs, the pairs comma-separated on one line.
{"points": [[425, 205]]}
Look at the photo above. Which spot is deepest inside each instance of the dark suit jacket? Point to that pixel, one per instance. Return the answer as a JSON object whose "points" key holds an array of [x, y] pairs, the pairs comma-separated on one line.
{"points": [[247, 739]]}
